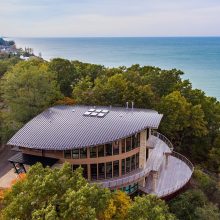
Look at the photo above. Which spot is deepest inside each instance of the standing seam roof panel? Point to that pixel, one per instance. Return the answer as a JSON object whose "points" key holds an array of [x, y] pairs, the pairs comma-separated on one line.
{"points": [[60, 128]]}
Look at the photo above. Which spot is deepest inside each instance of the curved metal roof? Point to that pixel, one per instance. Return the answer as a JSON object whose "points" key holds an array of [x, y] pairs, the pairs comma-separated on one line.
{"points": [[66, 127]]}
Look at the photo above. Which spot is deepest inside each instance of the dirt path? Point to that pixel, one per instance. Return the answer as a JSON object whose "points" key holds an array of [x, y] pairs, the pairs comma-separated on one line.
{"points": [[5, 154]]}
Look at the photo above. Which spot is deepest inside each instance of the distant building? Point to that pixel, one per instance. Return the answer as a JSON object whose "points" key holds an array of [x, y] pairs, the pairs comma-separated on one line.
{"points": [[117, 148]]}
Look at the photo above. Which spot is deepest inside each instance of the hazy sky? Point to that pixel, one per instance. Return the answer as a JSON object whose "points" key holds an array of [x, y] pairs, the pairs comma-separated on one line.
{"points": [[109, 18]]}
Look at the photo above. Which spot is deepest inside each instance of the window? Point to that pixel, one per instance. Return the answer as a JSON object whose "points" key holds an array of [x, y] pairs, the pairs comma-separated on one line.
{"points": [[83, 153], [101, 151], [75, 153], [123, 167], [101, 171], [123, 145], [93, 152], [108, 149], [133, 187], [85, 171], [128, 144], [128, 164], [116, 148], [74, 167], [138, 140], [67, 154], [94, 171], [137, 160], [133, 142], [147, 152], [133, 162], [109, 170], [116, 168]]}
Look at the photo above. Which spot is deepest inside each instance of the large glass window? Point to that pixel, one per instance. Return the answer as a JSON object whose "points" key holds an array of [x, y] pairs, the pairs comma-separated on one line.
{"points": [[138, 139], [128, 144], [75, 153], [101, 168], [133, 162], [93, 152], [83, 153], [128, 164], [85, 171], [94, 171], [67, 154], [133, 142], [123, 166], [108, 149], [116, 148], [137, 160], [123, 145], [116, 168], [74, 167], [109, 170], [101, 151]]}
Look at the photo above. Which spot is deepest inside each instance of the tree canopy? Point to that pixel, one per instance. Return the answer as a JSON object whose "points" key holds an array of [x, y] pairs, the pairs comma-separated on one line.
{"points": [[28, 88], [48, 193]]}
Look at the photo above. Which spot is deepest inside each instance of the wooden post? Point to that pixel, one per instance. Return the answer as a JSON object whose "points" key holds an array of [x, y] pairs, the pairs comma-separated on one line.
{"points": [[167, 154], [142, 155], [155, 181], [88, 165]]}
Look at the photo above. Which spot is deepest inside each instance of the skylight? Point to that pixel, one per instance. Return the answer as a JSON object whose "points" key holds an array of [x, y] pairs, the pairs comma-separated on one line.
{"points": [[100, 113]]}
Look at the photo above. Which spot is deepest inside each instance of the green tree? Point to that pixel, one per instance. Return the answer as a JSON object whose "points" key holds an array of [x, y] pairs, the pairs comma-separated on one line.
{"points": [[28, 89], [185, 205], [181, 119], [55, 194], [66, 74], [208, 212], [82, 92], [149, 208]]}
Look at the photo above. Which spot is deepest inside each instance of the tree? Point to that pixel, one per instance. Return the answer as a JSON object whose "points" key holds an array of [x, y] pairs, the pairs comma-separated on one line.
{"points": [[110, 91], [214, 156], [181, 119], [149, 207], [118, 206], [55, 194], [29, 88], [66, 74], [185, 205], [208, 212], [82, 92]]}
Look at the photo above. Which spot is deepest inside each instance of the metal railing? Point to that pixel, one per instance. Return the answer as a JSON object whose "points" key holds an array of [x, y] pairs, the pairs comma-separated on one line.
{"points": [[163, 138], [124, 180], [175, 188]]}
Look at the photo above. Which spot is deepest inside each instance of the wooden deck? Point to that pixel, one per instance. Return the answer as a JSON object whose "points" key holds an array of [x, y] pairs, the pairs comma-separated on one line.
{"points": [[172, 176]]}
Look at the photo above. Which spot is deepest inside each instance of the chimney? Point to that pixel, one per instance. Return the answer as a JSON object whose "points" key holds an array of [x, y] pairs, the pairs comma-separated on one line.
{"points": [[126, 105], [132, 105]]}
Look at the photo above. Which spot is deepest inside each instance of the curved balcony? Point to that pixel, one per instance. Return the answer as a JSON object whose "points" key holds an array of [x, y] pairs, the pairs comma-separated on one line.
{"points": [[173, 170], [127, 179], [180, 178]]}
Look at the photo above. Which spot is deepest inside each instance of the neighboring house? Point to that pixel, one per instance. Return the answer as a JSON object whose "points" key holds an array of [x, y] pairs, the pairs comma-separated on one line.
{"points": [[117, 147]]}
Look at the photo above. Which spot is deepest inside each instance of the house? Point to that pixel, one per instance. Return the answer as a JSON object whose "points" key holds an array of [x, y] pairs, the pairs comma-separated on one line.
{"points": [[117, 147]]}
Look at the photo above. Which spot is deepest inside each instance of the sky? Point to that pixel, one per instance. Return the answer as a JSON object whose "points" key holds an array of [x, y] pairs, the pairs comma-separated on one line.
{"points": [[108, 18]]}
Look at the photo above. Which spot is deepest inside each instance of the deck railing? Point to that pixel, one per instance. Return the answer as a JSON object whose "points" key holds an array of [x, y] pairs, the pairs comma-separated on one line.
{"points": [[175, 188], [125, 180], [163, 138]]}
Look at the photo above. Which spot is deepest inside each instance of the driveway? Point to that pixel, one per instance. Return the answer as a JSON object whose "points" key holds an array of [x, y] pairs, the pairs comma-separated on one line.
{"points": [[5, 154]]}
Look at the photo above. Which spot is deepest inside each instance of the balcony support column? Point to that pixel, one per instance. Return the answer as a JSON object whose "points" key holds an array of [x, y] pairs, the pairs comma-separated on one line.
{"points": [[143, 144], [167, 154], [154, 181]]}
